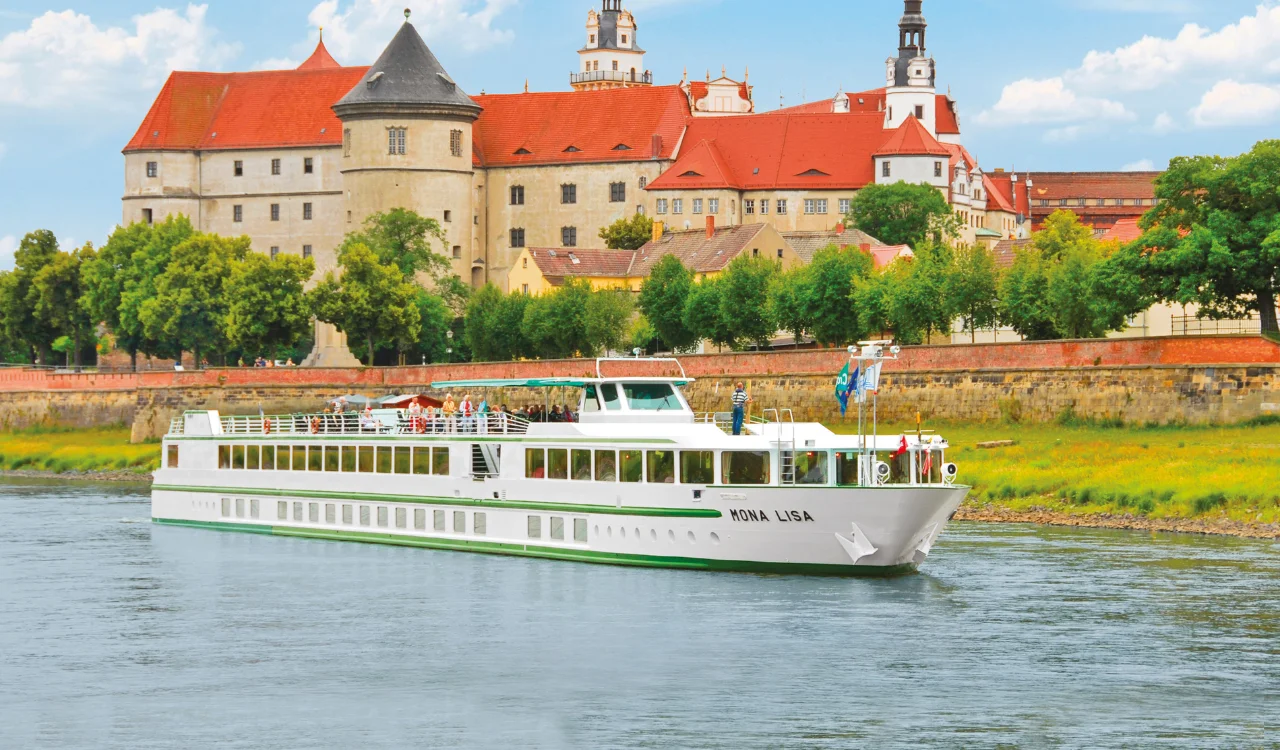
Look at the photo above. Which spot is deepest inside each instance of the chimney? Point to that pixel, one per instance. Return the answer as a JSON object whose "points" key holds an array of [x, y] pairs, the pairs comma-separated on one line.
{"points": [[657, 230], [656, 147], [865, 247], [840, 228], [711, 227]]}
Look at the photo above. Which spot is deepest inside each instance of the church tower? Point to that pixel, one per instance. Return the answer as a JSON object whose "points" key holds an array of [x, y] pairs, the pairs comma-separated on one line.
{"points": [[612, 59], [909, 78]]}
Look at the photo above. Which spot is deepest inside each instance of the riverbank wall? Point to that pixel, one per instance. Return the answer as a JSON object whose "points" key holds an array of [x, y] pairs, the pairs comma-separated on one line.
{"points": [[1195, 380]]}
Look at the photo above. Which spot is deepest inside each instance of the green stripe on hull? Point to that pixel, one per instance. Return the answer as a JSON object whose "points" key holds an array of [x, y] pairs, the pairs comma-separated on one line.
{"points": [[611, 510], [555, 553]]}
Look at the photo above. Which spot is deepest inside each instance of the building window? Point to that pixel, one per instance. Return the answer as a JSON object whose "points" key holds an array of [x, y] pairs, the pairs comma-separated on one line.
{"points": [[643, 181], [147, 216], [153, 168], [764, 206], [697, 205], [308, 165], [275, 212], [1062, 202], [779, 253], [662, 206], [306, 212], [624, 38], [517, 237], [517, 195], [937, 169], [782, 207], [275, 251], [455, 142], [395, 141], [615, 65], [275, 167], [524, 289], [846, 205], [810, 206], [1081, 202], [448, 216], [617, 192], [346, 142], [306, 251], [568, 194], [237, 213], [1102, 201], [677, 206], [239, 169], [713, 205], [748, 207], [822, 205], [919, 112], [885, 170], [457, 252], [569, 236]]}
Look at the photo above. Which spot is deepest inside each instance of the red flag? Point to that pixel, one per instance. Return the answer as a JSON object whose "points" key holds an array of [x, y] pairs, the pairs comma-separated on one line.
{"points": [[928, 465], [902, 448]]}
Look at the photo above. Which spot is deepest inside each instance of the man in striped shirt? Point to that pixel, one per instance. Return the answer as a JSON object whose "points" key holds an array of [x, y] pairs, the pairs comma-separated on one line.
{"points": [[740, 401]]}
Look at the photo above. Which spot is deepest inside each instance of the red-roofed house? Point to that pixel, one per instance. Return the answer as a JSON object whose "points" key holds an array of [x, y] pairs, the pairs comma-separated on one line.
{"points": [[1100, 199]]}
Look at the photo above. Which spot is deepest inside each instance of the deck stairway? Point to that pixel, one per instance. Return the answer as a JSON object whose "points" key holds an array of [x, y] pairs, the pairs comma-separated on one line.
{"points": [[486, 460]]}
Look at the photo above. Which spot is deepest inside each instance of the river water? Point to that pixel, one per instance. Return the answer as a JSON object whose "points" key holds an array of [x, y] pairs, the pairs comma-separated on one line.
{"points": [[115, 633]]}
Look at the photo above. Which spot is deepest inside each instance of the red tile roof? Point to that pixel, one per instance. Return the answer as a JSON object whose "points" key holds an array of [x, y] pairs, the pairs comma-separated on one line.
{"points": [[594, 122], [998, 193], [807, 244], [1056, 185], [911, 139], [562, 263], [699, 253], [1006, 251], [320, 59], [777, 151], [1124, 230], [873, 101]]}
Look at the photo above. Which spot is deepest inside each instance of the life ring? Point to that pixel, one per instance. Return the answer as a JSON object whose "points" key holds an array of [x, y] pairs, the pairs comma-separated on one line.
{"points": [[266, 427]]}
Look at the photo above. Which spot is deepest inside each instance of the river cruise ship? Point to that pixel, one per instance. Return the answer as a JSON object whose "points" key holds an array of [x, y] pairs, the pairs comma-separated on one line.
{"points": [[639, 479]]}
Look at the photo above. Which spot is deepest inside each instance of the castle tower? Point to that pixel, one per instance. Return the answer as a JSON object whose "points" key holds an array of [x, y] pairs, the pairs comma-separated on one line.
{"points": [[406, 142], [612, 59], [909, 78]]}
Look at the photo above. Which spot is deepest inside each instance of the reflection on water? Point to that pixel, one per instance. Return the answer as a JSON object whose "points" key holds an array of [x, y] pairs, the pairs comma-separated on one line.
{"points": [[115, 633]]}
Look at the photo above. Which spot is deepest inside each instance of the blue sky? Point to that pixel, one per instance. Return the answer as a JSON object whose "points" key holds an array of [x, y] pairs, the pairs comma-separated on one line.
{"points": [[1043, 85]]}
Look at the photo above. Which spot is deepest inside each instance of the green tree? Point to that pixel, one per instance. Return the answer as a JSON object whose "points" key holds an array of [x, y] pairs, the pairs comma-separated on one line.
{"points": [[641, 334], [267, 308], [1024, 296], [482, 328], [903, 214], [143, 253], [744, 299], [58, 293], [436, 319], [609, 312], [371, 301], [789, 301], [104, 279], [971, 288], [555, 323], [663, 299], [404, 238], [702, 313], [835, 319], [36, 250], [628, 234], [190, 306], [507, 327], [12, 347], [1214, 237]]}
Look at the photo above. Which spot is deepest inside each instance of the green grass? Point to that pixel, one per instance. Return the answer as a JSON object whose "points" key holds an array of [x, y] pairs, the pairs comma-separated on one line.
{"points": [[1082, 468], [63, 450]]}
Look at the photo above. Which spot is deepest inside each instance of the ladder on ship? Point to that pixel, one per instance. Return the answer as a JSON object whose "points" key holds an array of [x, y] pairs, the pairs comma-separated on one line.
{"points": [[486, 460], [786, 442]]}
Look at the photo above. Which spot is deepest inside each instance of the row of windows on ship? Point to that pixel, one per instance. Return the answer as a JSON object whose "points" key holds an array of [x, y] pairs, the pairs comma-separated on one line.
{"points": [[576, 464]]}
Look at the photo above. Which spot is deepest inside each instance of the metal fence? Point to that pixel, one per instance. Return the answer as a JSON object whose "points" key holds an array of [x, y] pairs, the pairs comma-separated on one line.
{"points": [[1189, 325]]}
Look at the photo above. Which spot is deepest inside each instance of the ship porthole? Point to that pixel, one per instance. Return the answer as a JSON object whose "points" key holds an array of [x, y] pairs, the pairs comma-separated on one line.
{"points": [[597, 530], [715, 538], [653, 534], [692, 539], [671, 536], [637, 534], [609, 530], [622, 531]]}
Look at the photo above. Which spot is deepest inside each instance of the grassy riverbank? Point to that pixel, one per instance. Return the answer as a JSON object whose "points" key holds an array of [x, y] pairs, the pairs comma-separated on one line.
{"points": [[1171, 473], [72, 451]]}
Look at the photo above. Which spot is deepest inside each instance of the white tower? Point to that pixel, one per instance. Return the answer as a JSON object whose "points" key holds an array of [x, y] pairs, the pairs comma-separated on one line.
{"points": [[612, 59], [909, 79]]}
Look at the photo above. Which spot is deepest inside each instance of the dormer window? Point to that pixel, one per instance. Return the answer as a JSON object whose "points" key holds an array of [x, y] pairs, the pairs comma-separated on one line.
{"points": [[593, 39], [522, 151], [622, 147], [691, 173], [572, 150], [624, 38], [813, 173]]}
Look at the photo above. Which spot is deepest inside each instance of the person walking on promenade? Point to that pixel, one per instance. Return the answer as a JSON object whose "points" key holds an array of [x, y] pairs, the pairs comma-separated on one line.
{"points": [[740, 400]]}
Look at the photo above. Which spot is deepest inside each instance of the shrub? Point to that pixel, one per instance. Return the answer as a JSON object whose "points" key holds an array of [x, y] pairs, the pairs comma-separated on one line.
{"points": [[1207, 503], [1146, 505]]}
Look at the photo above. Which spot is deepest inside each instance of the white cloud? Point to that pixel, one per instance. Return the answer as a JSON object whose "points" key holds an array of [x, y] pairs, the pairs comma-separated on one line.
{"points": [[356, 32], [1142, 165], [1232, 103], [8, 245], [64, 60], [1049, 100], [1163, 124]]}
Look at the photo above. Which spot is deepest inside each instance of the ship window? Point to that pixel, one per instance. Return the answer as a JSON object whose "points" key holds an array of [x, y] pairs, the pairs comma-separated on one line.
{"points": [[662, 467], [237, 456], [254, 509], [900, 469], [226, 507], [420, 519], [421, 460], [348, 458], [440, 461], [631, 464], [268, 458], [239, 507], [437, 520], [535, 527], [224, 457], [346, 514], [313, 512], [364, 515], [557, 463], [581, 465], [606, 466], [384, 459], [479, 523], [330, 513], [332, 458], [402, 460], [579, 529], [847, 469], [745, 467], [297, 512], [697, 467], [460, 521], [299, 458], [282, 511], [590, 400], [366, 459], [382, 516], [811, 467], [557, 528], [315, 458], [650, 397], [252, 457], [535, 463], [173, 457], [610, 393]]}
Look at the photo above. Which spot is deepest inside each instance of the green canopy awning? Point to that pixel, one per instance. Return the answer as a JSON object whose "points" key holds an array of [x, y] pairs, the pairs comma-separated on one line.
{"points": [[513, 383]]}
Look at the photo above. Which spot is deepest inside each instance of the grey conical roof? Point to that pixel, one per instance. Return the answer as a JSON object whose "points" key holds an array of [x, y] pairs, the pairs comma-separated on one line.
{"points": [[406, 77]]}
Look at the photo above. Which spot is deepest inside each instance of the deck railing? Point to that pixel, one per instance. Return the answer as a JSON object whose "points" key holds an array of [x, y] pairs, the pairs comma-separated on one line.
{"points": [[401, 423]]}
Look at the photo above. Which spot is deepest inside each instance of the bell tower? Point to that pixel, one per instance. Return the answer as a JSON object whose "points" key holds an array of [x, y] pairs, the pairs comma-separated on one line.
{"points": [[910, 77], [612, 58]]}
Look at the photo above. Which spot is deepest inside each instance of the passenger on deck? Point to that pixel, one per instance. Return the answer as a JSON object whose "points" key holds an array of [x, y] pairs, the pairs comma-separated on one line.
{"points": [[555, 415], [448, 411], [482, 416], [367, 422], [415, 417], [468, 411]]}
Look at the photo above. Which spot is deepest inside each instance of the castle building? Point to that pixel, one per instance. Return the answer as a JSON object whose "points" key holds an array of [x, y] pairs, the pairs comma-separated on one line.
{"points": [[296, 159]]}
